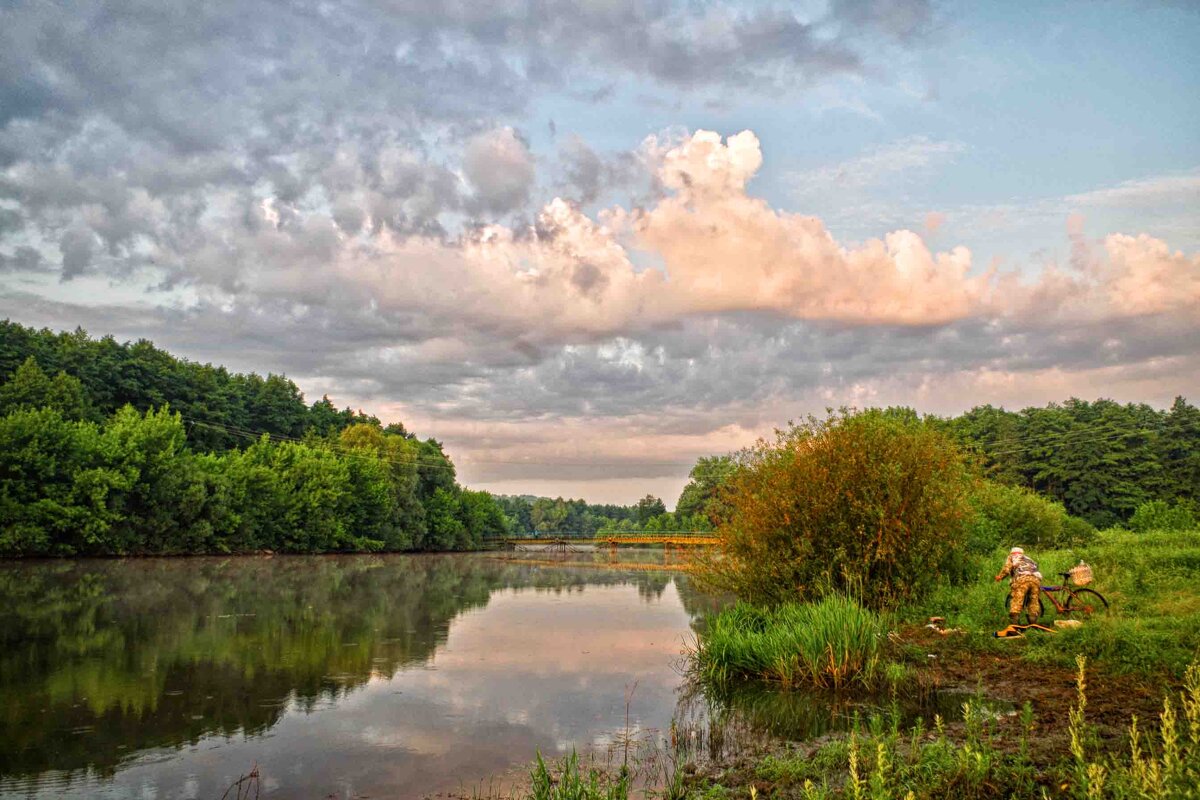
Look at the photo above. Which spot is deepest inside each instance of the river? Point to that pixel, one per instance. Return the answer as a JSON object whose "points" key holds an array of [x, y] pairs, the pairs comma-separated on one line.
{"points": [[381, 676]]}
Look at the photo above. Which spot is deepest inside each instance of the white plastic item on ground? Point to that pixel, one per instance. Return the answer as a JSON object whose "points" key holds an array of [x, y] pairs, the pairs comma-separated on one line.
{"points": [[1067, 623]]}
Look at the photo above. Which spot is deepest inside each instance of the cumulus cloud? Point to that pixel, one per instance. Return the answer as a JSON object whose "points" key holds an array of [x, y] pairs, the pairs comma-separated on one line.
{"points": [[693, 322], [1137, 276], [587, 175]]}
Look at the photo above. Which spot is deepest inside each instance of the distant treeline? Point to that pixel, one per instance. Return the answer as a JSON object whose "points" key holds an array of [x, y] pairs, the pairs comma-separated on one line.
{"points": [[1102, 460], [526, 513], [110, 449]]}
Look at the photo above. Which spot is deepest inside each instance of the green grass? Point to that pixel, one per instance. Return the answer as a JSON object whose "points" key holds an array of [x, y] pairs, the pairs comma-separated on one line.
{"points": [[572, 782], [988, 758], [834, 643], [1150, 579]]}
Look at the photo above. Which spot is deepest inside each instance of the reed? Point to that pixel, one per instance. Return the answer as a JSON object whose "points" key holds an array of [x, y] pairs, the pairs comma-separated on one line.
{"points": [[834, 643], [570, 781]]}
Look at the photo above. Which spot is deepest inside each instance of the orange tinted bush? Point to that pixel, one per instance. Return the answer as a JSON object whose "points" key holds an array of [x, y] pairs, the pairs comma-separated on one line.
{"points": [[871, 504]]}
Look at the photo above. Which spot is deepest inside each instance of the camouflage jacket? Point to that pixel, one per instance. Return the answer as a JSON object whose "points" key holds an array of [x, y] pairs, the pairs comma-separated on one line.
{"points": [[1017, 566]]}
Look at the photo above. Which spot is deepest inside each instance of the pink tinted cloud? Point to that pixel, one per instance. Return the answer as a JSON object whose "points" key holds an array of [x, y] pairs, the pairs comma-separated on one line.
{"points": [[712, 248]]}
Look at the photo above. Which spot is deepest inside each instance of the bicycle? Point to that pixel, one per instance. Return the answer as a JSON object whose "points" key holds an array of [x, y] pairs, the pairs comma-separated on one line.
{"points": [[1079, 601]]}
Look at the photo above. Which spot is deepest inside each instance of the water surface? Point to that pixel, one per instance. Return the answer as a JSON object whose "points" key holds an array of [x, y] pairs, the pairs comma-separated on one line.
{"points": [[351, 676]]}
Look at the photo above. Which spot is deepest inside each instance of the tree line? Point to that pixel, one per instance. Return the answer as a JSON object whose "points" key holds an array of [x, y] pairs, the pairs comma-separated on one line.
{"points": [[550, 516], [114, 449], [114, 374], [111, 448], [1102, 460]]}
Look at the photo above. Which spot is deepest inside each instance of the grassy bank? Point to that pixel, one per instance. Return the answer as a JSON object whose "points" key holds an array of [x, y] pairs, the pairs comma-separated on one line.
{"points": [[1140, 739], [1152, 627], [830, 644], [985, 755]]}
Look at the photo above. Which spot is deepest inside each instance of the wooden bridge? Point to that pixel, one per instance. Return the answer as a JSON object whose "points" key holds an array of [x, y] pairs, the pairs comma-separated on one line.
{"points": [[607, 539]]}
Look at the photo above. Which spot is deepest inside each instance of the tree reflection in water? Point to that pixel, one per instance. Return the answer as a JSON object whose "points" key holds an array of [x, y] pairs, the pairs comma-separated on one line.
{"points": [[101, 660]]}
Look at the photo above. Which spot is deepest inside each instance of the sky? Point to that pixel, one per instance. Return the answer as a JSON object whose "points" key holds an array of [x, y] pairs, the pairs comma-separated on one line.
{"points": [[584, 242]]}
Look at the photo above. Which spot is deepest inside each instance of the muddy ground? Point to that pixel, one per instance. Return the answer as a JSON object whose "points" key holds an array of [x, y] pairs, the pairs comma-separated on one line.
{"points": [[1112, 701]]}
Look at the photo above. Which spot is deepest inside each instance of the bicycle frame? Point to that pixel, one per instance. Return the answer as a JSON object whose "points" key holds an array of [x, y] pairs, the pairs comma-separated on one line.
{"points": [[1051, 591]]}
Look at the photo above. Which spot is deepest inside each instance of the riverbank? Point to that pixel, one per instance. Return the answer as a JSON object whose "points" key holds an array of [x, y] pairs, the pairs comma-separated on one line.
{"points": [[1137, 655], [1026, 728]]}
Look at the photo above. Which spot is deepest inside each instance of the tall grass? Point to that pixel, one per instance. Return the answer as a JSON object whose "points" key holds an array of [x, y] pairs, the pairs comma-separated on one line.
{"points": [[572, 782], [833, 643]]}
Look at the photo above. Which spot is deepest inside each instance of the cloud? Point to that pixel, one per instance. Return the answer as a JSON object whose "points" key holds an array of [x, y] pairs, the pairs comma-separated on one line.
{"points": [[899, 19], [584, 296], [905, 156], [351, 208], [588, 175], [500, 170], [1157, 190], [356, 108], [1140, 275]]}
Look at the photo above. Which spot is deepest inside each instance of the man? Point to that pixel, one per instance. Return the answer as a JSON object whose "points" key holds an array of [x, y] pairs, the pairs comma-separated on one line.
{"points": [[1026, 586]]}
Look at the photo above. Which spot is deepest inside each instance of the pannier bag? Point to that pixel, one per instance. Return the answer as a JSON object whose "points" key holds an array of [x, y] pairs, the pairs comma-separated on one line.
{"points": [[1081, 574]]}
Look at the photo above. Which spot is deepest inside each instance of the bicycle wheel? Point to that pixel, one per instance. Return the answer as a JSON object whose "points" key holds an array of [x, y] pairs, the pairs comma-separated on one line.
{"points": [[1085, 602]]}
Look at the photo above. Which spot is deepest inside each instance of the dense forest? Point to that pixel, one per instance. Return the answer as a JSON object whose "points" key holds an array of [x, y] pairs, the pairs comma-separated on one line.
{"points": [[109, 448], [121, 448], [1102, 460]]}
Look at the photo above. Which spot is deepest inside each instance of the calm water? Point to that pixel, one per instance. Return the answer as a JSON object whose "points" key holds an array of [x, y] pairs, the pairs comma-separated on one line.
{"points": [[351, 676]]}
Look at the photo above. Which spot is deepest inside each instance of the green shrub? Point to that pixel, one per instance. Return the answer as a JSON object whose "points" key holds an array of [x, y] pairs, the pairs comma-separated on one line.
{"points": [[833, 643], [1013, 515], [1159, 515], [872, 504]]}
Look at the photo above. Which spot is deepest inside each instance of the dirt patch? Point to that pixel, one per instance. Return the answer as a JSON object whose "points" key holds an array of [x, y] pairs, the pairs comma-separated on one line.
{"points": [[1112, 700]]}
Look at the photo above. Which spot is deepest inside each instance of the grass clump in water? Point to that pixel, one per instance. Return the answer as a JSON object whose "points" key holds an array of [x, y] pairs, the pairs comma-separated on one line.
{"points": [[834, 643], [572, 782]]}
